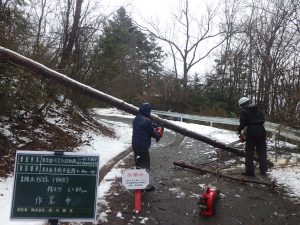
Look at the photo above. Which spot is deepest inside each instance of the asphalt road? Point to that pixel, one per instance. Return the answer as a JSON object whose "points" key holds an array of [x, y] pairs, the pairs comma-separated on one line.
{"points": [[174, 202]]}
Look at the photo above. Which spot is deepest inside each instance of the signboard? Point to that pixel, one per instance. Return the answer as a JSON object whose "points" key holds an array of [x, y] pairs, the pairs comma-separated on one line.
{"points": [[135, 179], [55, 186]]}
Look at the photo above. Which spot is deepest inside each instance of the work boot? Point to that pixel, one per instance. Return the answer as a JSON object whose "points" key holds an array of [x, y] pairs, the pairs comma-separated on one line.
{"points": [[247, 174], [263, 174]]}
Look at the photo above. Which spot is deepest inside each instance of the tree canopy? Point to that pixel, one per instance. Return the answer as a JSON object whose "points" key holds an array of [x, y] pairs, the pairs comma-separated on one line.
{"points": [[257, 56]]}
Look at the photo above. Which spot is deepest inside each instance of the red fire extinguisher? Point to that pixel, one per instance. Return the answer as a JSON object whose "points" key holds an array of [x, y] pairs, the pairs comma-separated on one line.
{"points": [[207, 202], [160, 131]]}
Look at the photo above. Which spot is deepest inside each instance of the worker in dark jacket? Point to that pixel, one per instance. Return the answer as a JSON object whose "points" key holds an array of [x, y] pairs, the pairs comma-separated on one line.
{"points": [[143, 131], [252, 126]]}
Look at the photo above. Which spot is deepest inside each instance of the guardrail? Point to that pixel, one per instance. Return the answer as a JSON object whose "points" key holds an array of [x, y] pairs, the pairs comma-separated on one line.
{"points": [[275, 129]]}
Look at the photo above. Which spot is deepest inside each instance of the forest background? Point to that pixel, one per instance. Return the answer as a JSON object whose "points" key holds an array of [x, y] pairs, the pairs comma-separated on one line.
{"points": [[254, 47]]}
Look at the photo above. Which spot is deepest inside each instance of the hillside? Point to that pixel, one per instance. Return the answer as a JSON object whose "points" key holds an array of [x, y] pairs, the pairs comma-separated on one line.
{"points": [[55, 128]]}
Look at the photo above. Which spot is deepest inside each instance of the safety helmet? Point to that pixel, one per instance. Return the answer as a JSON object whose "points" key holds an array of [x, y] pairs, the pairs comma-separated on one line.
{"points": [[243, 100]]}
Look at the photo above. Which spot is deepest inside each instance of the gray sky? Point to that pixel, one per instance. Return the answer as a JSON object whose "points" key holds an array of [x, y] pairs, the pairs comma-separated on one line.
{"points": [[160, 12]]}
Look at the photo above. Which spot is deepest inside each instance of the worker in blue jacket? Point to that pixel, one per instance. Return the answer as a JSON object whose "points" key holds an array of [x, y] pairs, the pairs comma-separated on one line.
{"points": [[143, 131], [252, 125]]}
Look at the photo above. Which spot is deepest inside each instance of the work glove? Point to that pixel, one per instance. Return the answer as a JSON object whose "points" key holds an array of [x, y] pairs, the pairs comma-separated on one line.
{"points": [[157, 138], [242, 138]]}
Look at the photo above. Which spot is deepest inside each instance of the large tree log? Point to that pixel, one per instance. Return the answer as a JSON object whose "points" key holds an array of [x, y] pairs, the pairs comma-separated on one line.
{"points": [[218, 174], [39, 69]]}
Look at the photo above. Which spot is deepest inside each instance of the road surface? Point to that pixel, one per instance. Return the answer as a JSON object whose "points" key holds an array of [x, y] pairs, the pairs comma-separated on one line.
{"points": [[174, 202]]}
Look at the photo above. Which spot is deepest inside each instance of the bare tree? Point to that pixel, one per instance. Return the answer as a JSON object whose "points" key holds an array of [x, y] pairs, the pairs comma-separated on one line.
{"points": [[186, 51], [70, 31], [266, 43]]}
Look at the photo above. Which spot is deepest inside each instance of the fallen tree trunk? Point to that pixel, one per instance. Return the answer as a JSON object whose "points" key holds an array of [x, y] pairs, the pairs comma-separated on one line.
{"points": [[39, 69], [218, 174]]}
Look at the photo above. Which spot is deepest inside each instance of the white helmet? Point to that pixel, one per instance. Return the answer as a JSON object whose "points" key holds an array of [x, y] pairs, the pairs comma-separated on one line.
{"points": [[243, 100]]}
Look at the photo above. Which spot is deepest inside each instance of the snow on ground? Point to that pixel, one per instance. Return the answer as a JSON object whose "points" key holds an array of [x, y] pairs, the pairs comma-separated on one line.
{"points": [[220, 135], [108, 147], [112, 112], [288, 177]]}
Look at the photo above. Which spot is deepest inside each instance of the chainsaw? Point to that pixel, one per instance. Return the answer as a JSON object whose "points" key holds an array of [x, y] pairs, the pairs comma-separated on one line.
{"points": [[159, 131], [159, 128], [207, 202], [242, 138]]}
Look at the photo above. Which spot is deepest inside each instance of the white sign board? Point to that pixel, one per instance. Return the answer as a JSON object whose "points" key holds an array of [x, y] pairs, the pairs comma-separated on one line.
{"points": [[135, 179]]}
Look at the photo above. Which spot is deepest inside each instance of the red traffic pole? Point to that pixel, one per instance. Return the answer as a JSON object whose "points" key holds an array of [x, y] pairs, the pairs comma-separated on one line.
{"points": [[138, 200]]}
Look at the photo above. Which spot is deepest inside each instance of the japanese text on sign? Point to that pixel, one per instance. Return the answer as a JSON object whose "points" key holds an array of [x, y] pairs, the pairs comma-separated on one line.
{"points": [[55, 186], [135, 179]]}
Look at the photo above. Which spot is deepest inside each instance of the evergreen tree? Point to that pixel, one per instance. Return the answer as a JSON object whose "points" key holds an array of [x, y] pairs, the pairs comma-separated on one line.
{"points": [[15, 33], [125, 58]]}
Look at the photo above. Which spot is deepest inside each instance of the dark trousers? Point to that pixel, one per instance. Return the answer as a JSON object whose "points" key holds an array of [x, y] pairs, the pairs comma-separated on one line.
{"points": [[259, 145], [142, 160]]}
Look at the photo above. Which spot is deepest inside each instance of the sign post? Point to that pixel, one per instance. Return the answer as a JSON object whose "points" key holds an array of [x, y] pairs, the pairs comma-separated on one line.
{"points": [[136, 179], [55, 186], [138, 200]]}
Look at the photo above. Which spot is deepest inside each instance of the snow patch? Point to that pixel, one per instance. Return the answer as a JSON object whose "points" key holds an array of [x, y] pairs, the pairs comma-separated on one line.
{"points": [[119, 215], [177, 192], [144, 220], [289, 178], [111, 112]]}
